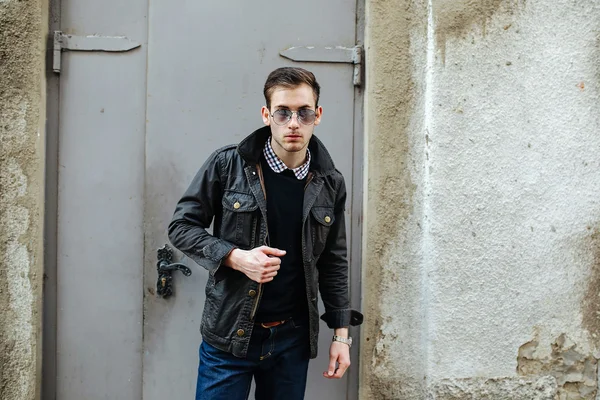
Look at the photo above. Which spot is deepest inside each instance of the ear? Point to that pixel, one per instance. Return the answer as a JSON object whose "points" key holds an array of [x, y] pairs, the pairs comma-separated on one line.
{"points": [[266, 115], [319, 113]]}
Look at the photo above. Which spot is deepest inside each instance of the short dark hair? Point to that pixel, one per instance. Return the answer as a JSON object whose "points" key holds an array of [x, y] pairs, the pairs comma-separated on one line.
{"points": [[289, 77]]}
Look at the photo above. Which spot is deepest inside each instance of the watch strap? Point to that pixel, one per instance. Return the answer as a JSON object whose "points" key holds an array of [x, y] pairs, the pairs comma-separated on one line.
{"points": [[342, 339]]}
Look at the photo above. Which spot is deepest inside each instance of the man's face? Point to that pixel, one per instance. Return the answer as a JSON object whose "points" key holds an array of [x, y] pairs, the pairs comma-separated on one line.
{"points": [[293, 136]]}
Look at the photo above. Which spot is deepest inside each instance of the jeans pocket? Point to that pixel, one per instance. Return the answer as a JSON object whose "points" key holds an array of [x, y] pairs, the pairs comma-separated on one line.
{"points": [[298, 324]]}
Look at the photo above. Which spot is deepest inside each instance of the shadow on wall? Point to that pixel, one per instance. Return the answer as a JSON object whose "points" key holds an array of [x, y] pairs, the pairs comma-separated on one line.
{"points": [[455, 18]]}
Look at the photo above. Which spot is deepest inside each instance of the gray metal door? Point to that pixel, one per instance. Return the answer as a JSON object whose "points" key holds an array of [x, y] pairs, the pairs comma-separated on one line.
{"points": [[134, 128]]}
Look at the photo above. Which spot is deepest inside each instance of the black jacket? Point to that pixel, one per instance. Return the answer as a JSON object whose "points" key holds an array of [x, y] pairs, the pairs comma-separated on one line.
{"points": [[229, 188]]}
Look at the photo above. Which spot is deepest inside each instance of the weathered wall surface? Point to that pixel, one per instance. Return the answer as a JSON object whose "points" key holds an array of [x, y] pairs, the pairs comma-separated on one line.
{"points": [[497, 296], [22, 43], [392, 364]]}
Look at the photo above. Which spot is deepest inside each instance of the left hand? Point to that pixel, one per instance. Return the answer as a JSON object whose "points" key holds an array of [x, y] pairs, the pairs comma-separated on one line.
{"points": [[338, 353]]}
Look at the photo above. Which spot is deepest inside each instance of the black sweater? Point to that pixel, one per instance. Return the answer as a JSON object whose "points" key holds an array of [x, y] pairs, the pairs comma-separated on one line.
{"points": [[285, 295]]}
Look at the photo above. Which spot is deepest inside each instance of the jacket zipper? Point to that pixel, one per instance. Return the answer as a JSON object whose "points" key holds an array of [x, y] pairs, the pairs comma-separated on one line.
{"points": [[260, 285]]}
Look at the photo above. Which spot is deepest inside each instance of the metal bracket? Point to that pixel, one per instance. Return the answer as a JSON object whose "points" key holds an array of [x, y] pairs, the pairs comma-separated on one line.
{"points": [[119, 44], [338, 54]]}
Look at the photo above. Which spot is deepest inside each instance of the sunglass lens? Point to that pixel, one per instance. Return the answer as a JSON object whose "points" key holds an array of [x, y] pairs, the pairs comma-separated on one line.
{"points": [[306, 116], [282, 116]]}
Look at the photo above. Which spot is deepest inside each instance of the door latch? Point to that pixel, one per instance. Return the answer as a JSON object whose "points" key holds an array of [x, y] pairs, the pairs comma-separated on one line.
{"points": [[165, 267]]}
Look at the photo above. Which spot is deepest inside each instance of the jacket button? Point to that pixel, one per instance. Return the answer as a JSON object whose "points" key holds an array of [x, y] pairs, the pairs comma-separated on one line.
{"points": [[240, 332], [327, 219], [236, 205], [252, 293]]}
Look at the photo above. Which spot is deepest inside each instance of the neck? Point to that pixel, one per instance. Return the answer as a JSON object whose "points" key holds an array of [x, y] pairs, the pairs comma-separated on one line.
{"points": [[291, 160]]}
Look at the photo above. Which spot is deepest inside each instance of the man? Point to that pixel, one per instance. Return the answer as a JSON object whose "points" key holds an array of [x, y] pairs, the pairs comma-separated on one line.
{"points": [[278, 238]]}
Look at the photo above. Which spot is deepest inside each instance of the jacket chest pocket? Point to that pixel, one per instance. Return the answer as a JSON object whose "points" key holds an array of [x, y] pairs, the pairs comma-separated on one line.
{"points": [[323, 218], [240, 216]]}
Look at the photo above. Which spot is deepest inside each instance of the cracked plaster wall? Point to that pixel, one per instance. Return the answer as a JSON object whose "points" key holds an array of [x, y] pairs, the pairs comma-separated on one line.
{"points": [[482, 206], [22, 101], [391, 350]]}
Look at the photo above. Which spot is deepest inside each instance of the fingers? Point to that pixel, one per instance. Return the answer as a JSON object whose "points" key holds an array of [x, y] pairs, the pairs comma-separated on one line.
{"points": [[271, 251], [338, 357], [267, 261], [331, 369], [341, 370], [268, 275], [262, 264], [337, 373]]}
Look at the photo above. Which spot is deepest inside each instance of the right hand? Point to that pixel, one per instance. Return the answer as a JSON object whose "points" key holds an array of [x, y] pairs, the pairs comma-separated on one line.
{"points": [[260, 264]]}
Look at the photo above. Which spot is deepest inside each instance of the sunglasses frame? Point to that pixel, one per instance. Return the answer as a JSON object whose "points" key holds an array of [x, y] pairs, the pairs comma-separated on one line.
{"points": [[291, 115]]}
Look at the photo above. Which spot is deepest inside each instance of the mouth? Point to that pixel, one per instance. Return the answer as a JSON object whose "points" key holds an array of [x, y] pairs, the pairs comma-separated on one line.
{"points": [[294, 136]]}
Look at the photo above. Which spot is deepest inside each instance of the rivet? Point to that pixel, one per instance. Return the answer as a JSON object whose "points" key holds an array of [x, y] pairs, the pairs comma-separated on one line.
{"points": [[240, 332], [236, 205], [252, 293]]}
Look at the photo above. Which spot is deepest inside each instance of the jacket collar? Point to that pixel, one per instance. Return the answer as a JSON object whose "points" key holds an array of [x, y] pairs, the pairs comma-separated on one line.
{"points": [[252, 146]]}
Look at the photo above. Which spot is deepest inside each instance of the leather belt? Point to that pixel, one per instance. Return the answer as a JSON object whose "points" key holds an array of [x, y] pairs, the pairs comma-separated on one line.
{"points": [[271, 324]]}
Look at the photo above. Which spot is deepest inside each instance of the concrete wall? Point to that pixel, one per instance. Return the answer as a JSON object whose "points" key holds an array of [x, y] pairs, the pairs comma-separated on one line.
{"points": [[23, 30], [482, 211]]}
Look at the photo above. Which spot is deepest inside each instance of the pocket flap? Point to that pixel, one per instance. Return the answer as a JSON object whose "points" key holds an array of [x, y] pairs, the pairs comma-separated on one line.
{"points": [[239, 202], [323, 215]]}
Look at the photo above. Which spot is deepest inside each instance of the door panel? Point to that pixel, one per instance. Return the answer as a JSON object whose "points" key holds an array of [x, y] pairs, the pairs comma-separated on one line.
{"points": [[134, 129], [205, 91], [100, 208]]}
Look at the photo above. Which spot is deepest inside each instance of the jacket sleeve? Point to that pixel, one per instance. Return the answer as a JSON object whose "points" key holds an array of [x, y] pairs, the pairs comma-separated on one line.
{"points": [[194, 214], [333, 271]]}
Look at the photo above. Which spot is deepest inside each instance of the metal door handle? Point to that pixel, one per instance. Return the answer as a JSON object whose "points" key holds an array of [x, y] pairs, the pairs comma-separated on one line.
{"points": [[174, 267], [165, 267]]}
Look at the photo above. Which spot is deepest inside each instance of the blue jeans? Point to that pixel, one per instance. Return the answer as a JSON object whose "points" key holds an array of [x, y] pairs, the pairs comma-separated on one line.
{"points": [[277, 359]]}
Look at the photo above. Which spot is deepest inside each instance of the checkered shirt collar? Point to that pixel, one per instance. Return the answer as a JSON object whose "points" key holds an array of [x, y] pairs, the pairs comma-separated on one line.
{"points": [[278, 166]]}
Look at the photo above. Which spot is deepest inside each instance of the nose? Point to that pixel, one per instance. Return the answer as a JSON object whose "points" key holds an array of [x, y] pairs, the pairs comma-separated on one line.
{"points": [[294, 123]]}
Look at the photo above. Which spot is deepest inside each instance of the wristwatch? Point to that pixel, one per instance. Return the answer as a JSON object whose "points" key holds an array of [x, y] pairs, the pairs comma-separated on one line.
{"points": [[342, 339]]}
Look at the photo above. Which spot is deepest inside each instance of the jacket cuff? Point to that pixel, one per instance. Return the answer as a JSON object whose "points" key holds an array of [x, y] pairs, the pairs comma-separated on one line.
{"points": [[214, 254], [342, 318]]}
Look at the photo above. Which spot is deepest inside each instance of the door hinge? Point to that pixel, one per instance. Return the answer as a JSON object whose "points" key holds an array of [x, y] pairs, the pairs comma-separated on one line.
{"points": [[63, 41], [337, 54]]}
